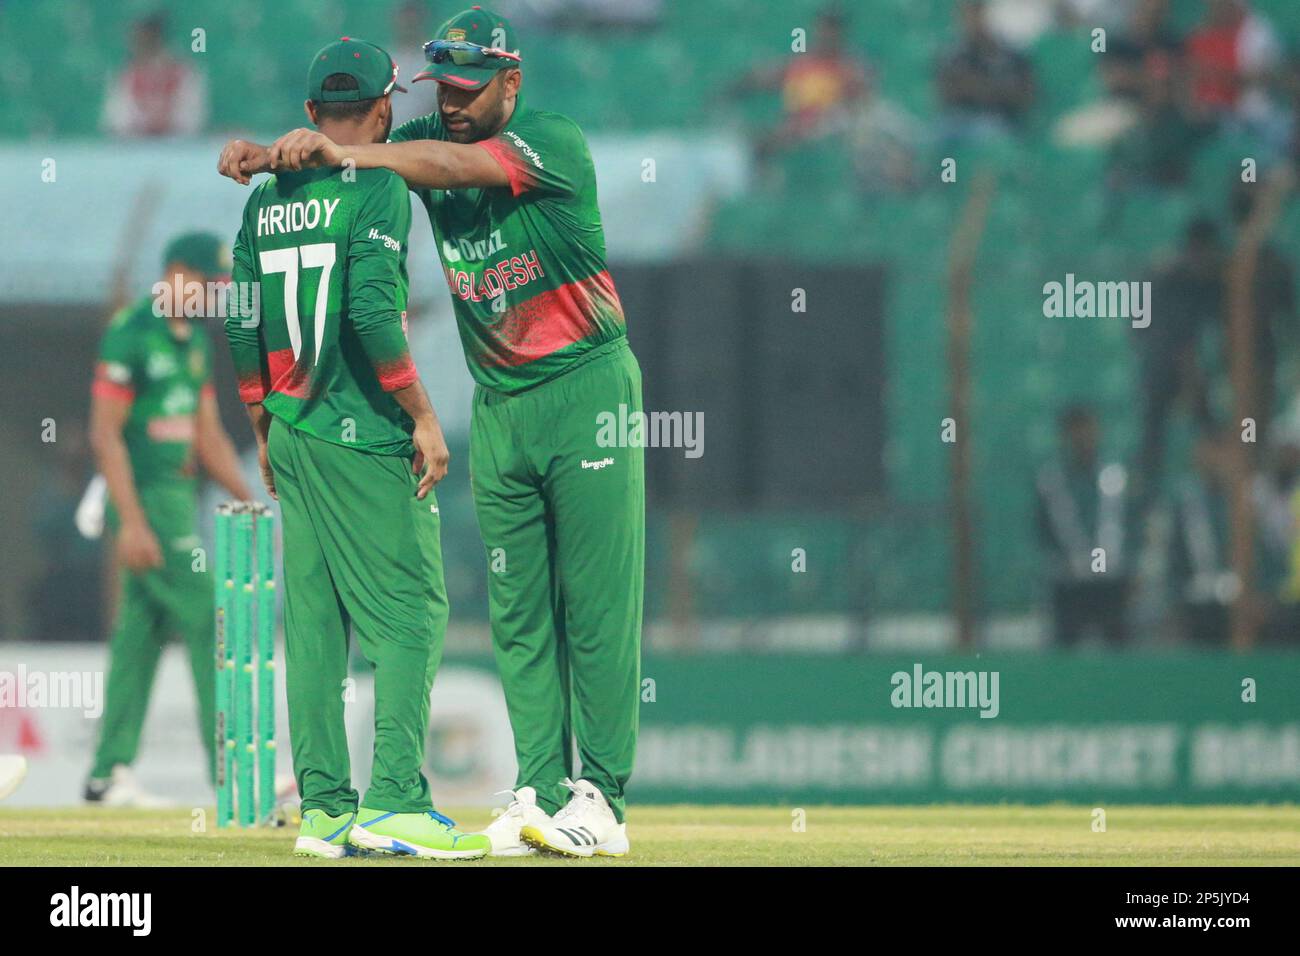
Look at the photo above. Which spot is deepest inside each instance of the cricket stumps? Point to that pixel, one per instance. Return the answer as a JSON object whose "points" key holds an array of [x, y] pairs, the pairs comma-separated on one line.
{"points": [[245, 662]]}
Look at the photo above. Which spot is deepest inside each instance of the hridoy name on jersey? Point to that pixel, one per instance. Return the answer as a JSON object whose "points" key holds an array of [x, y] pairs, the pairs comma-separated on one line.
{"points": [[295, 216]]}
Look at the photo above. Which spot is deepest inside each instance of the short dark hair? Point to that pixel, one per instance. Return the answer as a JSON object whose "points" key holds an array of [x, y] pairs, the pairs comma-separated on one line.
{"points": [[346, 110]]}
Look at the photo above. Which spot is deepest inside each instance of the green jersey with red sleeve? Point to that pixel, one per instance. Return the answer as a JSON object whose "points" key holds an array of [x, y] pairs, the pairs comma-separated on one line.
{"points": [[326, 250], [525, 263], [162, 375]]}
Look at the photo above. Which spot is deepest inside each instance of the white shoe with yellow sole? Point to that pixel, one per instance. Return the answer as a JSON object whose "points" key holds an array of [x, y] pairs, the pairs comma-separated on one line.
{"points": [[585, 826]]}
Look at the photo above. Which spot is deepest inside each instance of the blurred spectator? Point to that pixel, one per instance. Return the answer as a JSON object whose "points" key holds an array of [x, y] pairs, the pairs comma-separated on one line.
{"points": [[155, 94], [1143, 58], [1234, 56], [410, 30], [1083, 505], [819, 88], [986, 87], [1148, 46], [1158, 150], [883, 140], [1145, 69], [1186, 300], [1202, 579]]}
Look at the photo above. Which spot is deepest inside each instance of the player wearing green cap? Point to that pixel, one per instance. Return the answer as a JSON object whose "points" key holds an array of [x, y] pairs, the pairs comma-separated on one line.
{"points": [[351, 447], [153, 421], [511, 195]]}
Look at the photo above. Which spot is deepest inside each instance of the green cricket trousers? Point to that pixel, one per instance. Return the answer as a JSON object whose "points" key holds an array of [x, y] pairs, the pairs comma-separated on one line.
{"points": [[563, 523], [153, 607], [361, 554]]}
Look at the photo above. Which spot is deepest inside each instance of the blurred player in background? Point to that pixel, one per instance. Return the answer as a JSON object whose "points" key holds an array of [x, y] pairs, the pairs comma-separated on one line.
{"points": [[339, 413], [511, 195], [153, 421]]}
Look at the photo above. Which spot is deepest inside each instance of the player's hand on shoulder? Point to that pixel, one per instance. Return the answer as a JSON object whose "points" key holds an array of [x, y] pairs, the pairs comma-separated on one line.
{"points": [[240, 160], [304, 148]]}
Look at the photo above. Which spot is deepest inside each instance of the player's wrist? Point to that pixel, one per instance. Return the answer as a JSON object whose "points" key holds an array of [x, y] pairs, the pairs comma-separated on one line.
{"points": [[362, 155], [135, 523], [257, 159]]}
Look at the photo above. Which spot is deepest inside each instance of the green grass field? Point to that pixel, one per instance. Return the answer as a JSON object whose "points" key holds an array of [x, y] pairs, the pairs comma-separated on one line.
{"points": [[739, 836]]}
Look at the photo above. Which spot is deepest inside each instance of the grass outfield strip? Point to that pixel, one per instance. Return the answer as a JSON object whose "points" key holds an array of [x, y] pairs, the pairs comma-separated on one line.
{"points": [[740, 836]]}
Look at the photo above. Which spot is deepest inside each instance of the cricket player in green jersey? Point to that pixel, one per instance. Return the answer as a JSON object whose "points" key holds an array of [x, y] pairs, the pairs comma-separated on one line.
{"points": [[511, 195], [153, 421], [351, 448]]}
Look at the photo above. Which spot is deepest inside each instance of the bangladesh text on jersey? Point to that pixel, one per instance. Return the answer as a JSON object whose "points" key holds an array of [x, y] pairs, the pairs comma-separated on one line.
{"points": [[525, 265]]}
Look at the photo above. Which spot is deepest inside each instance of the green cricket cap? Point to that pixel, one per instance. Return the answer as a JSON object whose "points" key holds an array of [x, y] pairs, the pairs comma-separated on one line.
{"points": [[485, 28], [204, 252], [370, 65]]}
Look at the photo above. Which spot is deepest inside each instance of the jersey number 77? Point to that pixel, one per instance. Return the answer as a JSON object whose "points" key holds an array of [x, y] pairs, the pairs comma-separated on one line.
{"points": [[318, 255]]}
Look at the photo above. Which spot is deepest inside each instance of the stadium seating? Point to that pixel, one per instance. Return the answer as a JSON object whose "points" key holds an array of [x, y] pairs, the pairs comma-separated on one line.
{"points": [[1051, 215]]}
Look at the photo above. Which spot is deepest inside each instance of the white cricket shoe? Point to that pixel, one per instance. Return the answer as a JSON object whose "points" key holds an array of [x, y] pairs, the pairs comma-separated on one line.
{"points": [[585, 826], [122, 790], [13, 769], [504, 830]]}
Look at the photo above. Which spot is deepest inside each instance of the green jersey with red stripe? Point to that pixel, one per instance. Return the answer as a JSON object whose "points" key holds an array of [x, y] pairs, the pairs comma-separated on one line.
{"points": [[327, 250], [163, 375], [525, 264]]}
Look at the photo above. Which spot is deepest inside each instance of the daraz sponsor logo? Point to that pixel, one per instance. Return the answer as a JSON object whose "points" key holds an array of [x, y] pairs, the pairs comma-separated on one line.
{"points": [[472, 250]]}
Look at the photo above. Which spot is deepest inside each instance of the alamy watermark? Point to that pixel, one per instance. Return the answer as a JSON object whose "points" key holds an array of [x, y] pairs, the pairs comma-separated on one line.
{"points": [[1081, 299], [59, 690], [133, 911], [208, 300], [636, 429], [960, 689]]}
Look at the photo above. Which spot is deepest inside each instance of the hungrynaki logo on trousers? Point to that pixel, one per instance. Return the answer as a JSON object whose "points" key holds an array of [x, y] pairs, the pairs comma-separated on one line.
{"points": [[74, 909]]}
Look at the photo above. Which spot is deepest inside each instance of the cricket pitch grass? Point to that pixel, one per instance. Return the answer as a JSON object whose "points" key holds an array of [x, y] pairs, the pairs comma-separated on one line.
{"points": [[1056, 835]]}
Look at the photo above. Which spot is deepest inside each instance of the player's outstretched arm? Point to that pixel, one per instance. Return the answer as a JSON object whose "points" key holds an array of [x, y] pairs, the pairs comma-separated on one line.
{"points": [[423, 163], [241, 160]]}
